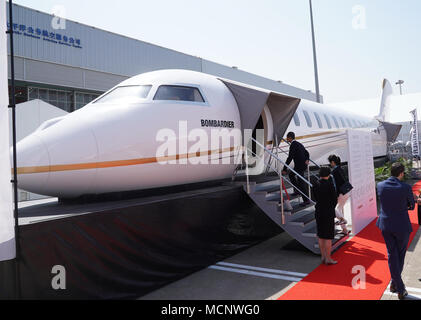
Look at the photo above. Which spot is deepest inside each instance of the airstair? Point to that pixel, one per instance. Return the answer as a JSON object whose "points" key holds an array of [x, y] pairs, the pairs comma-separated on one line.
{"points": [[266, 190]]}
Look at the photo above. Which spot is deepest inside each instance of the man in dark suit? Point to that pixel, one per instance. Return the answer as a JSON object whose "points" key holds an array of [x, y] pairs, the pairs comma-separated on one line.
{"points": [[301, 157], [396, 198]]}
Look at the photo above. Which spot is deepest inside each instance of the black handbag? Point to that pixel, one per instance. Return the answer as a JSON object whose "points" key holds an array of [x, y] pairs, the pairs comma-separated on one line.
{"points": [[345, 188]]}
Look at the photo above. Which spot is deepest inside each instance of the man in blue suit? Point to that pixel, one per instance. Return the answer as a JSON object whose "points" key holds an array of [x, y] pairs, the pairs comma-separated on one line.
{"points": [[396, 198]]}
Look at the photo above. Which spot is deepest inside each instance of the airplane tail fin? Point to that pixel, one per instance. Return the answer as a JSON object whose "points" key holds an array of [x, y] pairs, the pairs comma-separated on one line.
{"points": [[385, 104]]}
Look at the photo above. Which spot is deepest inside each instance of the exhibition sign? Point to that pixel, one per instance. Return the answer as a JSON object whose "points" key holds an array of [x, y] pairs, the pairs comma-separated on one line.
{"points": [[361, 176], [7, 234]]}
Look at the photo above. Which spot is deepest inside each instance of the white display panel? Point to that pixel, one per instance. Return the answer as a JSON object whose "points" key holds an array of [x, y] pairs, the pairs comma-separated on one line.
{"points": [[415, 144], [361, 176], [7, 235]]}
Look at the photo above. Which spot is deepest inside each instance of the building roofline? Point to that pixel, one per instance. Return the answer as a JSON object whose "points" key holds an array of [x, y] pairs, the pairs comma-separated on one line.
{"points": [[166, 48], [103, 30]]}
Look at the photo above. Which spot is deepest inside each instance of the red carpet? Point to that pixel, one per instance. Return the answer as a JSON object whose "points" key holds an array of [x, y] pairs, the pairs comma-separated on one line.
{"points": [[367, 249]]}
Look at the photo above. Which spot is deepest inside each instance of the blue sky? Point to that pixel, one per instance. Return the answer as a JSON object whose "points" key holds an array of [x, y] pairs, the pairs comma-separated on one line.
{"points": [[272, 37]]}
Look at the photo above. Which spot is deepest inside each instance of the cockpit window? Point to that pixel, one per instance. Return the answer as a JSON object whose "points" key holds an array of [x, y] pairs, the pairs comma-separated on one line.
{"points": [[126, 94], [178, 93]]}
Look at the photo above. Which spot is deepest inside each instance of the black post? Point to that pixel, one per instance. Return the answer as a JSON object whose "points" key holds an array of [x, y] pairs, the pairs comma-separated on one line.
{"points": [[15, 176]]}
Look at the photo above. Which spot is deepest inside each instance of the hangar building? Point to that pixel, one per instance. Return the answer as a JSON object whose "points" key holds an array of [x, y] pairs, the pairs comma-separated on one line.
{"points": [[69, 68]]}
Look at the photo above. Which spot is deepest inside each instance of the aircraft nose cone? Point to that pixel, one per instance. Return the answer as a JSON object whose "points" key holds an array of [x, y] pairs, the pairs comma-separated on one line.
{"points": [[33, 164]]}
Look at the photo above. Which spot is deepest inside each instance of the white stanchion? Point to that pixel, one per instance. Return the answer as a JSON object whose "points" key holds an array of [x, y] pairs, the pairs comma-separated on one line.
{"points": [[7, 233]]}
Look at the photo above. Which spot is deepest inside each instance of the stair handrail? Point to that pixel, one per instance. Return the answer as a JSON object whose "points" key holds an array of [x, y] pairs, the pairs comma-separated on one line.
{"points": [[309, 173], [282, 162], [282, 139], [276, 147], [284, 178], [246, 149]]}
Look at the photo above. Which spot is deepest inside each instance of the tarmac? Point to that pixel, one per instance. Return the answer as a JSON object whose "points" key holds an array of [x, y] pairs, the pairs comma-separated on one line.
{"points": [[263, 272], [266, 271]]}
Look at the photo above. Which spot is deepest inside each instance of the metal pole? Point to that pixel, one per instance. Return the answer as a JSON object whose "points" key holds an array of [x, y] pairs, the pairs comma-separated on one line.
{"points": [[316, 73], [309, 186], [247, 170], [15, 176], [400, 83], [277, 146], [282, 200]]}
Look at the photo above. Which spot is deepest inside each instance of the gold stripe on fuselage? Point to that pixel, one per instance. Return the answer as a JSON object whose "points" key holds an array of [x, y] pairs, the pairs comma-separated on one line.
{"points": [[118, 163], [133, 162], [316, 135]]}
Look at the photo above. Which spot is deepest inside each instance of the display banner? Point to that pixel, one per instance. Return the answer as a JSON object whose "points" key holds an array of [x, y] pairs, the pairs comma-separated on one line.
{"points": [[414, 134], [7, 233], [361, 176]]}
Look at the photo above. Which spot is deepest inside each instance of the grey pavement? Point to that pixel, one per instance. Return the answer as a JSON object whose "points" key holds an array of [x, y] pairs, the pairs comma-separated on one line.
{"points": [[268, 270], [264, 271]]}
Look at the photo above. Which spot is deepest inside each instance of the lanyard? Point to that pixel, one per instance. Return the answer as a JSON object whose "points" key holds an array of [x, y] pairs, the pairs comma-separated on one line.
{"points": [[334, 182]]}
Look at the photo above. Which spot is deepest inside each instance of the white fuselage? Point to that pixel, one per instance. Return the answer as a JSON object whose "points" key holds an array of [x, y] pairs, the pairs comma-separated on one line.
{"points": [[324, 138], [133, 144]]}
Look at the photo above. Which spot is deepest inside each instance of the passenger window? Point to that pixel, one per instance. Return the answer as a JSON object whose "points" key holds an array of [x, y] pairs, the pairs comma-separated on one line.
{"points": [[349, 123], [328, 121], [343, 122], [319, 122], [296, 120], [336, 122], [308, 120], [178, 93]]}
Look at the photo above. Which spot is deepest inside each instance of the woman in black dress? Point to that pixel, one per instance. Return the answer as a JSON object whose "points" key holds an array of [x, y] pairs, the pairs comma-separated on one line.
{"points": [[326, 200]]}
